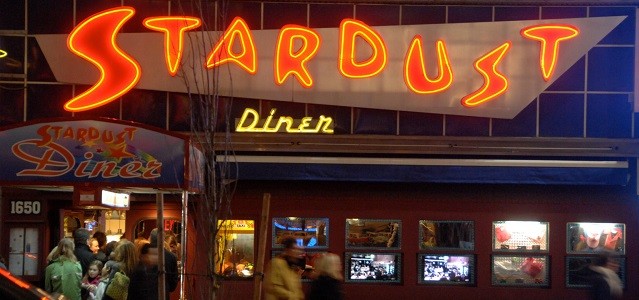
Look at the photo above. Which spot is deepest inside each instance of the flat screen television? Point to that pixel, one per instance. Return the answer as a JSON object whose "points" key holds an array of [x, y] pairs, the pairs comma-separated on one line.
{"points": [[521, 270], [449, 269], [372, 267], [575, 265]]}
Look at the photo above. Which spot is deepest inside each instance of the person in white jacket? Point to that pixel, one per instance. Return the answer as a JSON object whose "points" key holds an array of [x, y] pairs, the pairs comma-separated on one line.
{"points": [[109, 266]]}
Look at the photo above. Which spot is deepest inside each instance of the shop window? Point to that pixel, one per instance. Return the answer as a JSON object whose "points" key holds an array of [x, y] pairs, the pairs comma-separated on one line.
{"points": [[520, 236], [24, 251], [235, 255]]}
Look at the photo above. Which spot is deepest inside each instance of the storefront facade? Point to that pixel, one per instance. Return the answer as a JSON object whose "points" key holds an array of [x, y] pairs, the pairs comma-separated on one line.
{"points": [[448, 115]]}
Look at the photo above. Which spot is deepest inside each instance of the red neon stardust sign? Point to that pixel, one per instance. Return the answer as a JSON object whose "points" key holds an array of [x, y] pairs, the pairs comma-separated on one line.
{"points": [[94, 40]]}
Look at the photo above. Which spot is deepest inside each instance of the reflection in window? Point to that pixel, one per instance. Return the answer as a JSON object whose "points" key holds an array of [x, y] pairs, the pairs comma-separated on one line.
{"points": [[235, 248], [11, 58]]}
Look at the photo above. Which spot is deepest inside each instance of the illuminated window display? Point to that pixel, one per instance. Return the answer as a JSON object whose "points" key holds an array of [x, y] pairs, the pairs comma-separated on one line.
{"points": [[367, 233], [446, 269], [595, 237], [520, 270], [372, 267], [235, 248], [309, 232], [520, 236], [446, 235]]}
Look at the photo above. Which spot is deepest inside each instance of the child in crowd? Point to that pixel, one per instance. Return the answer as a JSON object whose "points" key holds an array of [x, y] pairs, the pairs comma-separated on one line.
{"points": [[92, 278], [109, 266]]}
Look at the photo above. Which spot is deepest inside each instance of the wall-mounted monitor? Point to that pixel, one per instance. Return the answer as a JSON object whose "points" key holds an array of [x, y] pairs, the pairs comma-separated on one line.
{"points": [[446, 235], [584, 237], [577, 273], [520, 270], [372, 267], [308, 232], [520, 236], [373, 233], [446, 269]]}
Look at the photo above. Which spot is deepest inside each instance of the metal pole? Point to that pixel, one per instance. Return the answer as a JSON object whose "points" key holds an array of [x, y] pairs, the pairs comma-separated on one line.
{"points": [[159, 197], [183, 243]]}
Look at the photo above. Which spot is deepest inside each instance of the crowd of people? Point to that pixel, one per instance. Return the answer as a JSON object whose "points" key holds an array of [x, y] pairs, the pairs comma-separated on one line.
{"points": [[88, 267]]}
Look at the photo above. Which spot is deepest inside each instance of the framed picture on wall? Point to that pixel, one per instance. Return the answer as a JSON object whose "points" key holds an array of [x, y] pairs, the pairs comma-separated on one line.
{"points": [[586, 238], [308, 232], [446, 269], [446, 235], [373, 233], [373, 267], [520, 270], [520, 236], [575, 269]]}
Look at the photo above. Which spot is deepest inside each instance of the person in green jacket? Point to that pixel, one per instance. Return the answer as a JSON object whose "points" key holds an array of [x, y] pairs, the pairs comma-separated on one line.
{"points": [[64, 273]]}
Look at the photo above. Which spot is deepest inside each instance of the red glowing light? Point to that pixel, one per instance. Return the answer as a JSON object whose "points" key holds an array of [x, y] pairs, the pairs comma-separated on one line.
{"points": [[173, 29], [292, 62], [549, 36], [415, 69], [495, 83], [223, 52], [348, 32], [119, 72]]}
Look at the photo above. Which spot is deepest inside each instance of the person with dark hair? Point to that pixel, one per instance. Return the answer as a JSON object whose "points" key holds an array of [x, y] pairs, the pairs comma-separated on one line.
{"points": [[282, 279], [603, 278], [108, 250], [82, 251], [144, 280]]}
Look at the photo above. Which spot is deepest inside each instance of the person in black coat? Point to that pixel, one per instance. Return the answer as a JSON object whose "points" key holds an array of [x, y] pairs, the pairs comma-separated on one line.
{"points": [[82, 250], [328, 285], [144, 279], [602, 276]]}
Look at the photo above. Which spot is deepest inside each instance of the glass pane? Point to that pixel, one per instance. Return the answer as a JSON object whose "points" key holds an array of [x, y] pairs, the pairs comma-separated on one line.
{"points": [[11, 58], [16, 251], [39, 69], [47, 101], [596, 237], [15, 264], [11, 104], [447, 235], [372, 233], [520, 236], [31, 240], [12, 15], [309, 232], [520, 270], [16, 243], [148, 107], [235, 255]]}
